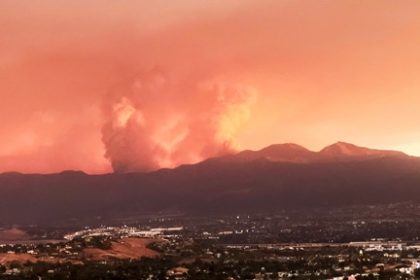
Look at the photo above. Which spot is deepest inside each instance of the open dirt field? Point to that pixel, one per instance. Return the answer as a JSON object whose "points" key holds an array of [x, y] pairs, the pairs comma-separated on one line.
{"points": [[23, 258], [126, 248], [20, 258]]}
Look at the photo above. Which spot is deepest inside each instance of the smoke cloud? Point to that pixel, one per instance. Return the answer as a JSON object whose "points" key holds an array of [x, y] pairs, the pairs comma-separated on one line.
{"points": [[155, 121], [149, 84]]}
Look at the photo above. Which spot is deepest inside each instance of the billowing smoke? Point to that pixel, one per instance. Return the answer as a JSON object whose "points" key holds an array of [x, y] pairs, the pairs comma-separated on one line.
{"points": [[154, 120]]}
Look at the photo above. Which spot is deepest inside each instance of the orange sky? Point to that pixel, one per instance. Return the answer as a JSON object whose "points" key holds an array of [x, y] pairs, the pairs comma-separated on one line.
{"points": [[319, 72]]}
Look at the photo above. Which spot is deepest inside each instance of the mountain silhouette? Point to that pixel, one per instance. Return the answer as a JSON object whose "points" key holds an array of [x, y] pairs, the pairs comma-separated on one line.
{"points": [[274, 178]]}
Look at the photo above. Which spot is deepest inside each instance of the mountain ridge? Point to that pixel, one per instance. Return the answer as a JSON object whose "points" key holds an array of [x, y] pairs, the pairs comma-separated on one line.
{"points": [[271, 180], [284, 152], [289, 152]]}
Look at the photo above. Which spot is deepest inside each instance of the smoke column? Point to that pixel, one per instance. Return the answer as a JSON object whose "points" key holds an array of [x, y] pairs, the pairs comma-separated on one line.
{"points": [[154, 120]]}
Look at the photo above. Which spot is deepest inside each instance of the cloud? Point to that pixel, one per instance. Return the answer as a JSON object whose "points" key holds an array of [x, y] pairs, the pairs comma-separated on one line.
{"points": [[311, 63], [154, 121]]}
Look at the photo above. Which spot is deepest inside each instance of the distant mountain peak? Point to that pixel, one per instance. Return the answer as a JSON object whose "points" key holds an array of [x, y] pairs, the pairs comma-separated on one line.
{"points": [[343, 149], [287, 152], [284, 147], [290, 145]]}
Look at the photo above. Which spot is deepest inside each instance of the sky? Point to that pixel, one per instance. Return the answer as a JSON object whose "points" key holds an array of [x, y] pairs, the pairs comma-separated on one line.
{"points": [[104, 86]]}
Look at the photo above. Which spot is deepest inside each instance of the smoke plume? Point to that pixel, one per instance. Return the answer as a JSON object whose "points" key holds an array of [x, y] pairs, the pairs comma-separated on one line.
{"points": [[155, 121]]}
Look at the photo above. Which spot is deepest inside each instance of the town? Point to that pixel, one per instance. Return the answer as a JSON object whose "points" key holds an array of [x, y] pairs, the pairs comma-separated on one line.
{"points": [[371, 242]]}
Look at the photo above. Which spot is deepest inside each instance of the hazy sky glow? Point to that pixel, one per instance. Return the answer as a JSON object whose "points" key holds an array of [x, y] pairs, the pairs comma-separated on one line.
{"points": [[83, 82]]}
